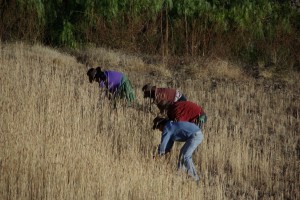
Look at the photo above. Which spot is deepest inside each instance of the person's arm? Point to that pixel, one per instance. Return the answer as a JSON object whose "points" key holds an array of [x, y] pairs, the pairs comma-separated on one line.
{"points": [[161, 108], [166, 143], [104, 88], [107, 93], [169, 146], [167, 151], [105, 84]]}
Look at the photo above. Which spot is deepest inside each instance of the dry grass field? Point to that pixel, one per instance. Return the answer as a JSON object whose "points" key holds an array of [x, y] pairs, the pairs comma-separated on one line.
{"points": [[59, 139]]}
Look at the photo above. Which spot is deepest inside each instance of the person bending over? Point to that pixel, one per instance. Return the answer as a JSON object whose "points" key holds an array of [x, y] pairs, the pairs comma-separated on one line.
{"points": [[186, 132], [117, 84], [162, 97]]}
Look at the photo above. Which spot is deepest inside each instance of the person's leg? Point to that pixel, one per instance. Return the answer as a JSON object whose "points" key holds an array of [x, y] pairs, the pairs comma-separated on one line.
{"points": [[180, 164], [186, 153]]}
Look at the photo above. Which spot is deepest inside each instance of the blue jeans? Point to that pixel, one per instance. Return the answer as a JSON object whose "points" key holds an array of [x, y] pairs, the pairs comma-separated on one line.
{"points": [[185, 161]]}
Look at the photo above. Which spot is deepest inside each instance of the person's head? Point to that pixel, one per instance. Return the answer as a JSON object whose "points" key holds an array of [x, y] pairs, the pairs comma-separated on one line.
{"points": [[149, 91], [96, 75], [159, 123]]}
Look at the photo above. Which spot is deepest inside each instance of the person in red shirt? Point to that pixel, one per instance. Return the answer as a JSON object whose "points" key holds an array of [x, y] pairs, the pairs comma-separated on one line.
{"points": [[187, 111], [162, 97]]}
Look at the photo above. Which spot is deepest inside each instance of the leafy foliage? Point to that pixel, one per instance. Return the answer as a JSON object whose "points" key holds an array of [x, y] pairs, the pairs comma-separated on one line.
{"points": [[190, 27]]}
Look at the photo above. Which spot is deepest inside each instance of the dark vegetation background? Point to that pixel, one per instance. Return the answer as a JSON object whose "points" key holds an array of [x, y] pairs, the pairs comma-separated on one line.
{"points": [[257, 33]]}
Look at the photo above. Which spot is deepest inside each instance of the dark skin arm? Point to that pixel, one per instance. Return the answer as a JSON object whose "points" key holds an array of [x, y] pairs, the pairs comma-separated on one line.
{"points": [[166, 154], [103, 78], [149, 94]]}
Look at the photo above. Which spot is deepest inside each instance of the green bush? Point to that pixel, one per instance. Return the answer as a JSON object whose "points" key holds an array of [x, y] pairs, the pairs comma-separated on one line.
{"points": [[247, 30]]}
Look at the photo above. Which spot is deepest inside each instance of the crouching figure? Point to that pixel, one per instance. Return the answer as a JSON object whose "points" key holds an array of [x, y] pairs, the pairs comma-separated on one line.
{"points": [[116, 84], [186, 132]]}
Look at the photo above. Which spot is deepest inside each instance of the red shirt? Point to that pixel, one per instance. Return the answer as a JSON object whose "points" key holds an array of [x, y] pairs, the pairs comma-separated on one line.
{"points": [[163, 95], [184, 111]]}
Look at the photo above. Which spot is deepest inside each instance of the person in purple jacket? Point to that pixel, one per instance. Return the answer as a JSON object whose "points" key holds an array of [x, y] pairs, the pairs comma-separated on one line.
{"points": [[186, 132], [116, 84]]}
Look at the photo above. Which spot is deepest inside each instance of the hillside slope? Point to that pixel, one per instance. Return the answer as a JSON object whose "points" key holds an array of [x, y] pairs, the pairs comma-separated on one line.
{"points": [[60, 140]]}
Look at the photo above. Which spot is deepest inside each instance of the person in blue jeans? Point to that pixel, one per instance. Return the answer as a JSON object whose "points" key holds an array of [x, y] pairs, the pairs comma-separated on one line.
{"points": [[186, 132]]}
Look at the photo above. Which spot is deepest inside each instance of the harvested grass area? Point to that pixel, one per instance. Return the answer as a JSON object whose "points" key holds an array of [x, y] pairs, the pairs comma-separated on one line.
{"points": [[60, 140]]}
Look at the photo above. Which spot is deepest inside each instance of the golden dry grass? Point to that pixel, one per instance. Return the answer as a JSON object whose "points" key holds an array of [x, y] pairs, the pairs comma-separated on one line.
{"points": [[59, 140]]}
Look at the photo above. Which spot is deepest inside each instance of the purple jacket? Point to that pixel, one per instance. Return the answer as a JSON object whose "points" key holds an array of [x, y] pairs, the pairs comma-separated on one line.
{"points": [[114, 80]]}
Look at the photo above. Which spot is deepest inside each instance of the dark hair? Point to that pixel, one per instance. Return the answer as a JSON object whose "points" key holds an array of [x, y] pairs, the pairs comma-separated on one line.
{"points": [[149, 91], [101, 75], [91, 73], [95, 73], [98, 69], [146, 87], [157, 121]]}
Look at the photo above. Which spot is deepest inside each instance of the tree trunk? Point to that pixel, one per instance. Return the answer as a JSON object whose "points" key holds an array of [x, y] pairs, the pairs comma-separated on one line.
{"points": [[162, 36], [186, 35], [166, 35]]}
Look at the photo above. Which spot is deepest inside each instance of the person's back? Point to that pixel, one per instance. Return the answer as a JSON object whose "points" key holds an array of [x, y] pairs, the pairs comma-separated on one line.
{"points": [[162, 97], [186, 132], [182, 130], [114, 80], [184, 111], [116, 84]]}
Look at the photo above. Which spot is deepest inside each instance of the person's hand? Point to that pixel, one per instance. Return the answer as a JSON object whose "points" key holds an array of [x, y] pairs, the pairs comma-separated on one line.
{"points": [[203, 119], [157, 156], [165, 155]]}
